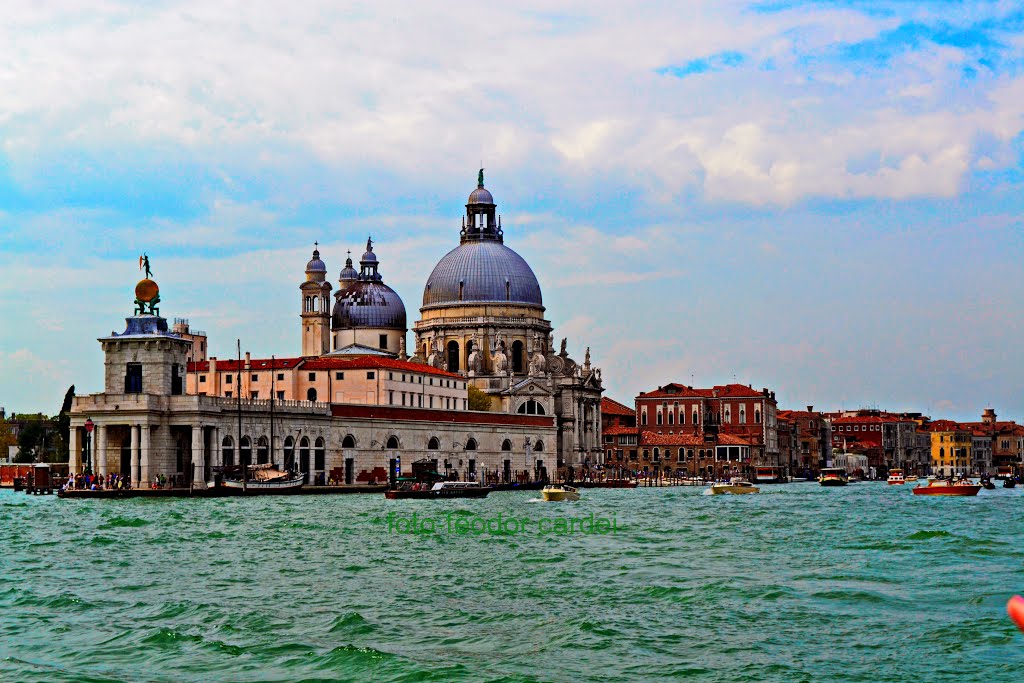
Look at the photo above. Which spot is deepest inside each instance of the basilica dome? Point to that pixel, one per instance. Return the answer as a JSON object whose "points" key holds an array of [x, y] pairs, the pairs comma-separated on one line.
{"points": [[365, 301], [482, 271]]}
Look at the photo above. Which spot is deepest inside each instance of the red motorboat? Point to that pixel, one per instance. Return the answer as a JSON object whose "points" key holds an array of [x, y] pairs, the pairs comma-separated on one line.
{"points": [[945, 487]]}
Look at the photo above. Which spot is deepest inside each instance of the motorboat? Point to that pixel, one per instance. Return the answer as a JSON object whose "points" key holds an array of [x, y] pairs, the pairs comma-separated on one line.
{"points": [[770, 475], [833, 476], [946, 487], [441, 489], [986, 483], [910, 477], [895, 477], [1009, 483], [555, 492], [738, 486]]}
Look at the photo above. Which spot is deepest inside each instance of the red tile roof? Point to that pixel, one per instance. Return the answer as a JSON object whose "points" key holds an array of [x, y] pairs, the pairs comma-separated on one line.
{"points": [[676, 390], [688, 438], [370, 362], [617, 430], [612, 407], [233, 365]]}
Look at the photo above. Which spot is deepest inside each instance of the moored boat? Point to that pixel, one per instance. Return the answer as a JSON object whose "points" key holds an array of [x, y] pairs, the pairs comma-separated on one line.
{"points": [[441, 489], [945, 487], [608, 484], [556, 492], [833, 476], [895, 477], [769, 474], [910, 477], [736, 486]]}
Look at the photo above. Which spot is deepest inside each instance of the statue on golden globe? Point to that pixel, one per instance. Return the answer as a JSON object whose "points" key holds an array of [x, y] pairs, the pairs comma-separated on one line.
{"points": [[147, 293]]}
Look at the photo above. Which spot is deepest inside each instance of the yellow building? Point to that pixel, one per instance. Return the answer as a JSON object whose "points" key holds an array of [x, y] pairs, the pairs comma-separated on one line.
{"points": [[951, 448]]}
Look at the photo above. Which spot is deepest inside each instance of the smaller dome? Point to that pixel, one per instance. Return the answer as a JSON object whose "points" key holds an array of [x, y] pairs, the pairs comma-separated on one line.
{"points": [[348, 272], [480, 196], [316, 265]]}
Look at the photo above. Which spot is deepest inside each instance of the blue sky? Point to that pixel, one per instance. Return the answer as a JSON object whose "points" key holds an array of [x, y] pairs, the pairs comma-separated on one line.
{"points": [[819, 197]]}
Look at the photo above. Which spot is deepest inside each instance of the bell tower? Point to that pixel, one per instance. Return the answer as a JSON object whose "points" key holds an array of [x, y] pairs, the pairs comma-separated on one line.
{"points": [[316, 311]]}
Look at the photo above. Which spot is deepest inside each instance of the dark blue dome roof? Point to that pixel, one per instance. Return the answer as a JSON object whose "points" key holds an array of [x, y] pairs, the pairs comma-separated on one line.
{"points": [[482, 268], [368, 303]]}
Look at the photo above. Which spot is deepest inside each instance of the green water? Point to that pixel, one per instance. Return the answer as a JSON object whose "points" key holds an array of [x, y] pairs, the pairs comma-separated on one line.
{"points": [[800, 583]]}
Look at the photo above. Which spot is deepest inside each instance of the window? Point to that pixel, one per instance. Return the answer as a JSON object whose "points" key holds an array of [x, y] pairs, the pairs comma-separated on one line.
{"points": [[671, 417], [538, 447], [312, 377], [339, 376], [228, 451], [227, 394], [506, 445], [245, 451], [228, 379], [280, 377], [280, 396], [757, 416], [262, 450], [391, 398], [255, 377], [202, 379], [391, 375], [453, 356], [311, 394], [349, 441], [371, 375], [392, 443], [471, 444], [254, 395], [517, 356], [304, 455], [743, 415], [384, 341], [319, 454], [658, 417], [696, 418], [531, 407], [643, 417], [289, 454], [177, 386], [133, 378], [657, 454]]}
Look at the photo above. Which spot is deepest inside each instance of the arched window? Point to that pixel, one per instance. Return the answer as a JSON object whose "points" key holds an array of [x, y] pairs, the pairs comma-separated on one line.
{"points": [[942, 452], [531, 407], [453, 356], [433, 444], [311, 394], [349, 441], [743, 415], [682, 454], [228, 451], [304, 455], [671, 417], [289, 454], [643, 416], [517, 356], [506, 445], [728, 415], [392, 443], [470, 444], [757, 416], [245, 451], [696, 417], [658, 418], [262, 450], [319, 455], [538, 447]]}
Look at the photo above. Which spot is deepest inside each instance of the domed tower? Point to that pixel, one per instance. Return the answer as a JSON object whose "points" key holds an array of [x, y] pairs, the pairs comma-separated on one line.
{"points": [[316, 296], [368, 315], [482, 312]]}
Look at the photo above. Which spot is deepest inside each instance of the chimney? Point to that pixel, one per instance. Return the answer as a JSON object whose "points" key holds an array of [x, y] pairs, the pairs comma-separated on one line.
{"points": [[248, 359], [810, 409]]}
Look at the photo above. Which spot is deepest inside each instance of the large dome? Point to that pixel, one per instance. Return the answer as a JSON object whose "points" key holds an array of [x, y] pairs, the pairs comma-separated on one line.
{"points": [[481, 271], [368, 304]]}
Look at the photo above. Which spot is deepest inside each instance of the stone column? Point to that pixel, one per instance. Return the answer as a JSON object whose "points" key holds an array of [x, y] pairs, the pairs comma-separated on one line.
{"points": [[74, 452], [135, 455], [197, 456], [217, 455], [101, 450], [144, 442]]}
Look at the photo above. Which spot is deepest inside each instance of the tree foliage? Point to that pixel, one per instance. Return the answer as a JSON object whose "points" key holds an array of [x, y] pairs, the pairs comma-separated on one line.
{"points": [[478, 400]]}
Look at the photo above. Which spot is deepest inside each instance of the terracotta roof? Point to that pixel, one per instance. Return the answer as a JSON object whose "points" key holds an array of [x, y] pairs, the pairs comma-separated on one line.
{"points": [[866, 419], [612, 407], [677, 390], [617, 430], [685, 439], [946, 426], [233, 365], [733, 440], [374, 362]]}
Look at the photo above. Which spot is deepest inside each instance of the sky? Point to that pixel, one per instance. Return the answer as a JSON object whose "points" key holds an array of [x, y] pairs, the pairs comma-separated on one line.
{"points": [[823, 198]]}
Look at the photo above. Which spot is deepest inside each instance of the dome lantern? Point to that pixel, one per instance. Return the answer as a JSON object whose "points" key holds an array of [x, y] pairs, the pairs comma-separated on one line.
{"points": [[480, 222]]}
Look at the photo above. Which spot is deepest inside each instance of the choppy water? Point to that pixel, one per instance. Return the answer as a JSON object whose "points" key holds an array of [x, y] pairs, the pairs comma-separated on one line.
{"points": [[799, 583]]}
